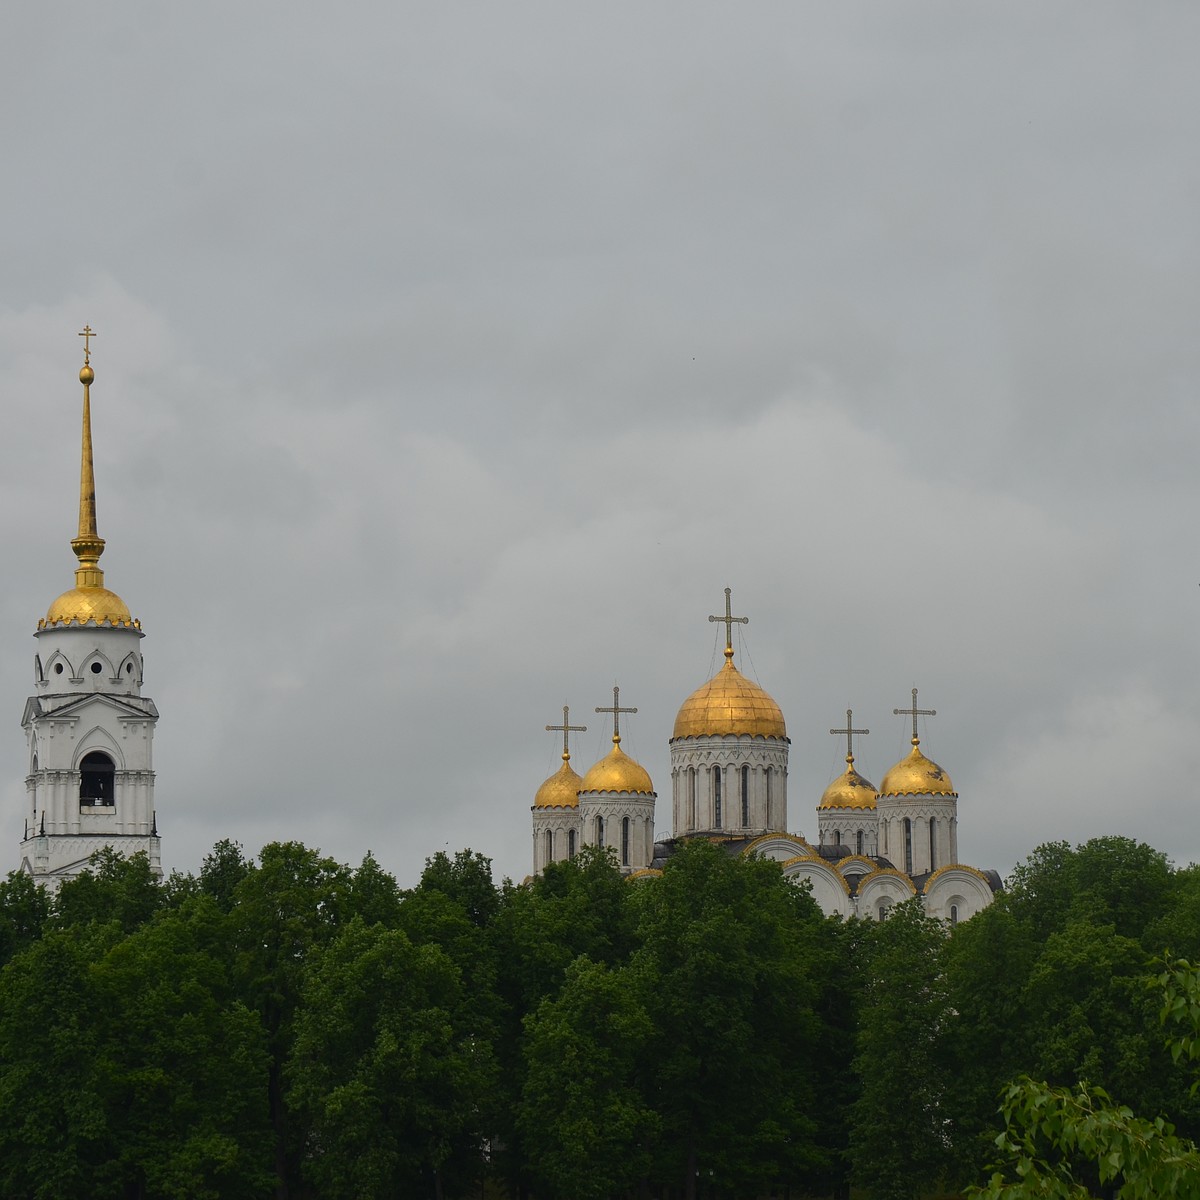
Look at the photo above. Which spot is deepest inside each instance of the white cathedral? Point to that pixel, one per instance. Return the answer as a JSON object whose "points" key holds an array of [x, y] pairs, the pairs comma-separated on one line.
{"points": [[90, 783], [729, 768], [88, 728]]}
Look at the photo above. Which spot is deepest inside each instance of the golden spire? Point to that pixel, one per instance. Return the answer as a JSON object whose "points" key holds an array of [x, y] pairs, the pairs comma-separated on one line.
{"points": [[567, 729], [728, 620], [89, 545], [89, 600]]}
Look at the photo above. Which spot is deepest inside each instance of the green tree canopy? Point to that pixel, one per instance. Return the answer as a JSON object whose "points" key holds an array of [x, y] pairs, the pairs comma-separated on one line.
{"points": [[390, 1086]]}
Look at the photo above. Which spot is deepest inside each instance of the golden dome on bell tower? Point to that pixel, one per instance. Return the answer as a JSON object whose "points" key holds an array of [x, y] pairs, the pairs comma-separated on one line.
{"points": [[89, 601]]}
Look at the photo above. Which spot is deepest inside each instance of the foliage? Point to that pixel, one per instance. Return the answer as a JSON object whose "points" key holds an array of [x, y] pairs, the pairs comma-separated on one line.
{"points": [[53, 1119], [285, 909], [224, 868], [900, 1150], [1054, 1135], [1060, 1141], [111, 1084], [735, 959], [24, 907], [1047, 983], [112, 888], [388, 1082], [294, 1025], [586, 1124]]}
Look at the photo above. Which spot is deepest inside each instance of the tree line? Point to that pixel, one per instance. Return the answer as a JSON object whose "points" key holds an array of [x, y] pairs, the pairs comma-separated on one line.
{"points": [[288, 1025]]}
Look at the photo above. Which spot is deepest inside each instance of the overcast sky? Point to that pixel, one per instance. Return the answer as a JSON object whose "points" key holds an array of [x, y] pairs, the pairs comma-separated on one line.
{"points": [[454, 358]]}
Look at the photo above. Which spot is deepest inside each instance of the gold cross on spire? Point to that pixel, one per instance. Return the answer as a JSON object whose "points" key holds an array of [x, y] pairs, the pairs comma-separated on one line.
{"points": [[850, 731], [914, 712], [729, 621], [616, 711], [87, 333], [567, 729]]}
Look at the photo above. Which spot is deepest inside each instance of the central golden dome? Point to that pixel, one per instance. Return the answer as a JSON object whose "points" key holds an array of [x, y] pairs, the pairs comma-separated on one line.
{"points": [[83, 604], [617, 772], [849, 790], [916, 775], [729, 704], [561, 790]]}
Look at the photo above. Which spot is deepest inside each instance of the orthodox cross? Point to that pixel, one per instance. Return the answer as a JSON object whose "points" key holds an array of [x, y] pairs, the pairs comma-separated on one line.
{"points": [[850, 731], [567, 729], [914, 712], [87, 334], [616, 711], [729, 620]]}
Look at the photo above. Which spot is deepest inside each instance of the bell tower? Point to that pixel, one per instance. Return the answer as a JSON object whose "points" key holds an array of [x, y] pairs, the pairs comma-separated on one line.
{"points": [[89, 730]]}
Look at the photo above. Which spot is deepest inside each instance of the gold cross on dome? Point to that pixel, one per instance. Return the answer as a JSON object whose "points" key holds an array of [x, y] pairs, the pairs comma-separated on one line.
{"points": [[567, 729], [87, 333], [729, 621], [914, 712], [616, 711], [850, 731]]}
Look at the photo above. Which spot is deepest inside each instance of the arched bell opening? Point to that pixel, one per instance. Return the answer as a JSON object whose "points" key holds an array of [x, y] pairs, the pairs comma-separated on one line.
{"points": [[97, 775]]}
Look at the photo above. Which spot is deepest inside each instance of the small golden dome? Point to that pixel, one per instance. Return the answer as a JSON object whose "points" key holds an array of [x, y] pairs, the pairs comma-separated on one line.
{"points": [[916, 775], [617, 772], [561, 790], [849, 790], [83, 604], [729, 704]]}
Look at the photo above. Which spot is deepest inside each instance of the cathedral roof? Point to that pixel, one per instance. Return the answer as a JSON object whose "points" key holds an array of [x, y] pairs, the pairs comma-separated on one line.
{"points": [[849, 790], [729, 703], [617, 772], [89, 600], [561, 790], [916, 775]]}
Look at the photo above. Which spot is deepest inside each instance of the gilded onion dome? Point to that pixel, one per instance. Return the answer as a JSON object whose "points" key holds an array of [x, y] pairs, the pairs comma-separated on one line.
{"points": [[849, 790], [83, 604], [617, 772], [561, 790], [729, 703], [916, 775], [89, 600]]}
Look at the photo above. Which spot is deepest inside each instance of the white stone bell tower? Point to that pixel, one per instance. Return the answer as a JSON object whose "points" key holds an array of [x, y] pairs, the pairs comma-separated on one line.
{"points": [[88, 728]]}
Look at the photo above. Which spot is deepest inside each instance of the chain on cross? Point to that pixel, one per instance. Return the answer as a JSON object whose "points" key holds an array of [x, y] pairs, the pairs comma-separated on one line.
{"points": [[914, 712], [616, 711], [567, 729]]}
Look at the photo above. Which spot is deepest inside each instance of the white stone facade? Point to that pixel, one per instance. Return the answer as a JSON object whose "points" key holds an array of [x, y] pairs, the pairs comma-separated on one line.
{"points": [[919, 833], [90, 737], [728, 783], [622, 821], [856, 886], [856, 828], [555, 835]]}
